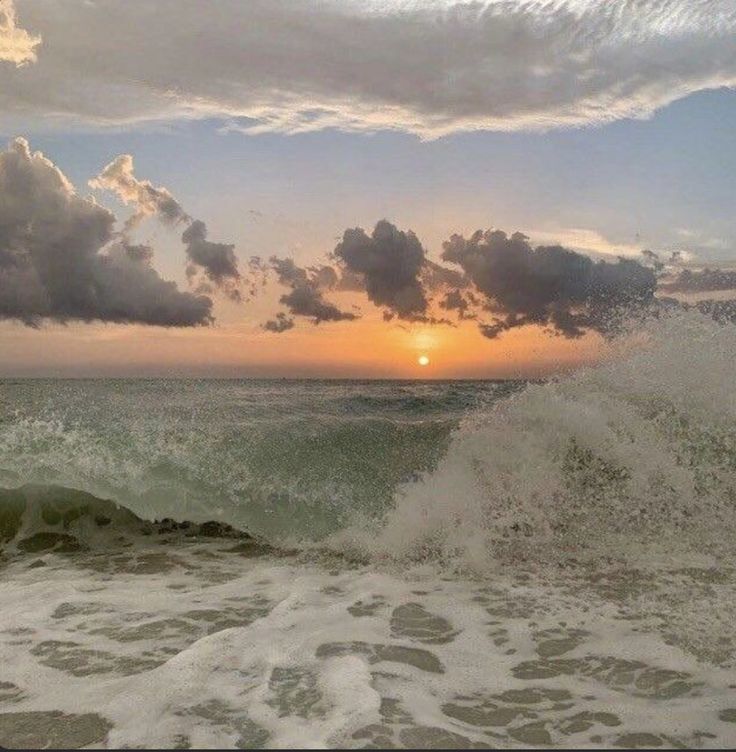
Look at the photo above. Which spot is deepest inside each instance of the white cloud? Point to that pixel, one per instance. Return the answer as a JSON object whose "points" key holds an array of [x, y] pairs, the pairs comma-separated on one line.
{"points": [[429, 68], [17, 46], [586, 241], [119, 177]]}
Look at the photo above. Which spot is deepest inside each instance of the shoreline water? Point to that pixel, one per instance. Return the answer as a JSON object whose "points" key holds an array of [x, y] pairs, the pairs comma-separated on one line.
{"points": [[197, 644]]}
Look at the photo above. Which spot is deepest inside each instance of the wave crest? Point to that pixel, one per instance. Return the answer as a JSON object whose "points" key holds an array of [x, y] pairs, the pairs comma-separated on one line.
{"points": [[632, 456]]}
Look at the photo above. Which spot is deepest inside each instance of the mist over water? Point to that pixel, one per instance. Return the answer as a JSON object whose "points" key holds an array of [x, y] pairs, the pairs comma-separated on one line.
{"points": [[459, 564]]}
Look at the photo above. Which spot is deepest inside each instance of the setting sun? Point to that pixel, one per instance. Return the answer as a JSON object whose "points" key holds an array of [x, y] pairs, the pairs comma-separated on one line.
{"points": [[423, 360]]}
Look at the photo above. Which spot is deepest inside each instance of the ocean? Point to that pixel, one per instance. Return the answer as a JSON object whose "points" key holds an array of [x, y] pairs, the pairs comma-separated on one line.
{"points": [[465, 564]]}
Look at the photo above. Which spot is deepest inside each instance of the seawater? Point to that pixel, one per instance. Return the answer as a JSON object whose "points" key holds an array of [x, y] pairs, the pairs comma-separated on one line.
{"points": [[290, 459], [431, 564]]}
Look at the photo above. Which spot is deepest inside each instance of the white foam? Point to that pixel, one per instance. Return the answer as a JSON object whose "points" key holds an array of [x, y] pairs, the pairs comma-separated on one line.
{"points": [[321, 664], [636, 451]]}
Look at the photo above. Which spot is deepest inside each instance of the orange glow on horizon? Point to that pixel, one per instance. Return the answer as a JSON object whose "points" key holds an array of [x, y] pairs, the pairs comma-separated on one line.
{"points": [[368, 348]]}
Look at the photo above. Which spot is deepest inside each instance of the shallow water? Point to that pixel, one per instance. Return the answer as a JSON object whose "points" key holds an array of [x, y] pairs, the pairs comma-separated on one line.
{"points": [[200, 645], [435, 565]]}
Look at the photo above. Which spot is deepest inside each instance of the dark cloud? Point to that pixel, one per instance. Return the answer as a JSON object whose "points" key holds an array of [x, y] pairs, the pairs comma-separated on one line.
{"points": [[549, 285], [326, 277], [306, 296], [282, 323], [256, 276], [456, 301], [706, 280], [59, 259], [437, 277], [217, 260], [390, 263]]}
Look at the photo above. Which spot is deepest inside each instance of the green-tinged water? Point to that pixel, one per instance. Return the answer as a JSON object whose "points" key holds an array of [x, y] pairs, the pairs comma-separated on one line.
{"points": [[283, 458]]}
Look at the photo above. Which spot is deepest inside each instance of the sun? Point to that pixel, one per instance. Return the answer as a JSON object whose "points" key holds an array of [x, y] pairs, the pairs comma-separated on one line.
{"points": [[423, 360]]}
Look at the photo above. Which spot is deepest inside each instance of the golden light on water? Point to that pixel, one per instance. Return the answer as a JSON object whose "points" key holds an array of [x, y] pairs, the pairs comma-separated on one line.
{"points": [[423, 360]]}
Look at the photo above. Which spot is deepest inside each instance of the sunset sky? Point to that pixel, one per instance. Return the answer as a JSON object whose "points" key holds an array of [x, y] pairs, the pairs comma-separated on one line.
{"points": [[269, 128]]}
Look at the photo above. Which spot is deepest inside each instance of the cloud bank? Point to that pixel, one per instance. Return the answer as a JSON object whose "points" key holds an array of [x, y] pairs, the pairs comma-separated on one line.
{"points": [[61, 260], [705, 280], [428, 68], [17, 46], [501, 281]]}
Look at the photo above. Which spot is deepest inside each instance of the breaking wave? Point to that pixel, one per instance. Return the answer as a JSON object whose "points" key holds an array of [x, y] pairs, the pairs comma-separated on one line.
{"points": [[284, 459], [633, 457]]}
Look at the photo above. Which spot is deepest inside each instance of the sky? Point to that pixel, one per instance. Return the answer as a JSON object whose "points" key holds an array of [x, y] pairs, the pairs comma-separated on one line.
{"points": [[332, 189]]}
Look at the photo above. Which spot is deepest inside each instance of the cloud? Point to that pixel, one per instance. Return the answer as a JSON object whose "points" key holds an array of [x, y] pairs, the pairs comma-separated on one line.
{"points": [[306, 297], [705, 280], [549, 286], [17, 46], [437, 277], [462, 304], [119, 178], [60, 260], [390, 263], [282, 323], [429, 68], [216, 260], [517, 284], [585, 240]]}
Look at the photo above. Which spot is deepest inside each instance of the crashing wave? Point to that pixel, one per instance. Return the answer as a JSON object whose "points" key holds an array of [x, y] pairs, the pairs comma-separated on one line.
{"points": [[633, 456]]}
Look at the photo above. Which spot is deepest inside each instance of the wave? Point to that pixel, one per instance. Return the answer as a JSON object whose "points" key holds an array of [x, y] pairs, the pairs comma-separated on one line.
{"points": [[632, 457], [38, 519], [424, 400], [285, 477]]}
